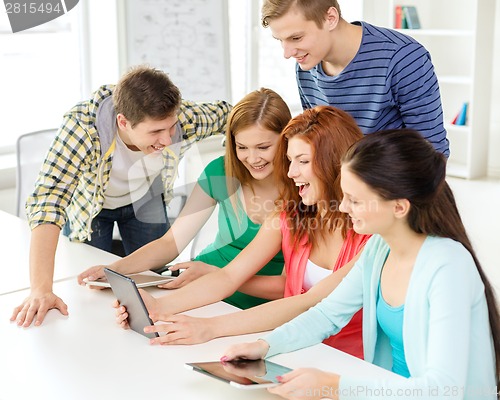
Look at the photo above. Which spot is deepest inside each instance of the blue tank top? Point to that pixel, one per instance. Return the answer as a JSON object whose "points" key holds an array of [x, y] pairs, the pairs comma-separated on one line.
{"points": [[390, 320]]}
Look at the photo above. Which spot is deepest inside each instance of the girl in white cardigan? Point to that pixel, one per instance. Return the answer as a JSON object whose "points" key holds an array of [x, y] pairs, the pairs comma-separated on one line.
{"points": [[429, 312]]}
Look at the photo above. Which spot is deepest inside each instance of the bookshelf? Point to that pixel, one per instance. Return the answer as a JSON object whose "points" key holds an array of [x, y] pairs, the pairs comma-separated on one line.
{"points": [[459, 37]]}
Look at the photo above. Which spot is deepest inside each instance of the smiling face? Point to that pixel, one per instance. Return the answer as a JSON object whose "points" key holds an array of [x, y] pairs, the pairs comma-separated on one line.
{"points": [[300, 154], [368, 211], [255, 148], [149, 136], [302, 39]]}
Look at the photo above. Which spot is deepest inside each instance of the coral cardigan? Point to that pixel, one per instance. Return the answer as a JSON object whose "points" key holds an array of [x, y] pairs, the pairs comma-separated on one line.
{"points": [[350, 338]]}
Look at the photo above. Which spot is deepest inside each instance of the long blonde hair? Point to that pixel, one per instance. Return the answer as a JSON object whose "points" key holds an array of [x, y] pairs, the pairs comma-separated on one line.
{"points": [[263, 107]]}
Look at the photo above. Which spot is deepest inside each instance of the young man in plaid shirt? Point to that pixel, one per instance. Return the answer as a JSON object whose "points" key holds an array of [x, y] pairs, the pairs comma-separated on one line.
{"points": [[114, 159]]}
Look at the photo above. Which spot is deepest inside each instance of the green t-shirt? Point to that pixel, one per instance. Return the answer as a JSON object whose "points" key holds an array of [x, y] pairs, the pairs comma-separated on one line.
{"points": [[234, 233]]}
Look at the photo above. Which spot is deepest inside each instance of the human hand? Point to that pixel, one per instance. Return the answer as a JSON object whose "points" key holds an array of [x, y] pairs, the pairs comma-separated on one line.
{"points": [[92, 274], [121, 315], [307, 383], [182, 329], [192, 270], [149, 301], [250, 351], [35, 308]]}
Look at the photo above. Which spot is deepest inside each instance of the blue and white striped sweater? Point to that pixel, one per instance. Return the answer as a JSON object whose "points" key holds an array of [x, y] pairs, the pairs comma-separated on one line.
{"points": [[389, 84]]}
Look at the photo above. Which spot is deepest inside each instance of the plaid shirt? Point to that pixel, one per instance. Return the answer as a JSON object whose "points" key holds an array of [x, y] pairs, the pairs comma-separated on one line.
{"points": [[74, 176]]}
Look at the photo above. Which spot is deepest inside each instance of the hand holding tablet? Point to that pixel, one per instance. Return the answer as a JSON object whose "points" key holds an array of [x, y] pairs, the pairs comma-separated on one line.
{"points": [[242, 373], [125, 290]]}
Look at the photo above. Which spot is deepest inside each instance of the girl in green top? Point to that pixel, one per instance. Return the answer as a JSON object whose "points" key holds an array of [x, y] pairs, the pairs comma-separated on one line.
{"points": [[243, 185]]}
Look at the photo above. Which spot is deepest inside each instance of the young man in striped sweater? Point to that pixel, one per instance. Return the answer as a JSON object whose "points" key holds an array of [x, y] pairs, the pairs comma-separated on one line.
{"points": [[382, 77]]}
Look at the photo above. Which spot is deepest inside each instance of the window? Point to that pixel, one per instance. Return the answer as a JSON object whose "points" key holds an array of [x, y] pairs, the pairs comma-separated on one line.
{"points": [[40, 75], [257, 58]]}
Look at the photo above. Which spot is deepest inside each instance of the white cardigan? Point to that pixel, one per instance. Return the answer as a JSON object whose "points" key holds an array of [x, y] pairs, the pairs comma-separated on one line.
{"points": [[446, 332]]}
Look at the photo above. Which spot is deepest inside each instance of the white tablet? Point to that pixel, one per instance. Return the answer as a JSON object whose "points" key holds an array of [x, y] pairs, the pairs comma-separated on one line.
{"points": [[141, 279], [125, 290], [243, 374]]}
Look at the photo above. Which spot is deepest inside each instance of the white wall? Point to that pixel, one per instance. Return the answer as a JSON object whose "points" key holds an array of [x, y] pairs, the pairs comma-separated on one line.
{"points": [[380, 14], [494, 154], [102, 52]]}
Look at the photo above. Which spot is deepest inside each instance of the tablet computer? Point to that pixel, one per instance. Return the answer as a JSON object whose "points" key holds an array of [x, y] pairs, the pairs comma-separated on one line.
{"points": [[243, 374], [141, 279], [125, 290]]}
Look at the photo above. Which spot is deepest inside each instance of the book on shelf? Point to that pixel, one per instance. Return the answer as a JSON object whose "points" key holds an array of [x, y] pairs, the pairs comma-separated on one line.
{"points": [[406, 17], [411, 17], [398, 17], [461, 117], [404, 23]]}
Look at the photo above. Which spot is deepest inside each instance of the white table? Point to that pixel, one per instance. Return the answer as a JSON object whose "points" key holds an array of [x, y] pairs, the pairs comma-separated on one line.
{"points": [[87, 356], [71, 258]]}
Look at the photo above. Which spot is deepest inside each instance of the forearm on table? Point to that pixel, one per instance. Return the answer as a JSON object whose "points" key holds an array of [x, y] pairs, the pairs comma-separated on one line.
{"points": [[162, 251], [275, 313], [43, 248], [261, 318], [220, 284], [207, 289], [153, 255], [264, 286]]}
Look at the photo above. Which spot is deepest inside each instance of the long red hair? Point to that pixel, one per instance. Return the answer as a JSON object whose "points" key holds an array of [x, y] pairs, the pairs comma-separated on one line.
{"points": [[330, 132]]}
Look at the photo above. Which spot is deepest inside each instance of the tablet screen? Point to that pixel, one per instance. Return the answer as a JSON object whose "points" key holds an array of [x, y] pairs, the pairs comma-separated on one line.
{"points": [[126, 292], [243, 373]]}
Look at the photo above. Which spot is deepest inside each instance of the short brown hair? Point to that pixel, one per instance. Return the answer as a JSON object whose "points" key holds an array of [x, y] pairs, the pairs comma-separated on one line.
{"points": [[145, 92], [313, 10]]}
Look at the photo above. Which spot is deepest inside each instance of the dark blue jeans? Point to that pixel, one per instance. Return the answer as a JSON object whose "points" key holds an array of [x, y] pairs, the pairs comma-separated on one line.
{"points": [[139, 223]]}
